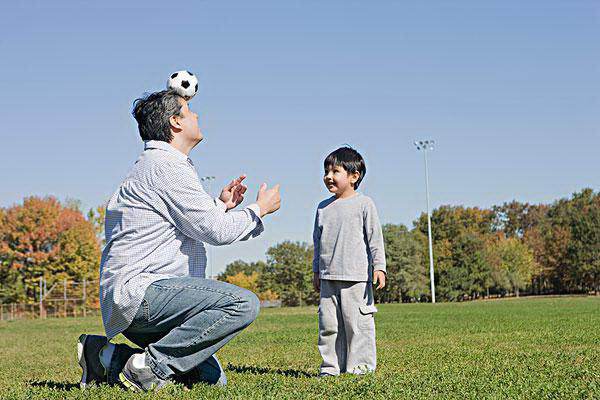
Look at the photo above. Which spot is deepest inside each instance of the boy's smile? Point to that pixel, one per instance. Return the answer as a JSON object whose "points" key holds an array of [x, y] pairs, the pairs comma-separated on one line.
{"points": [[339, 182]]}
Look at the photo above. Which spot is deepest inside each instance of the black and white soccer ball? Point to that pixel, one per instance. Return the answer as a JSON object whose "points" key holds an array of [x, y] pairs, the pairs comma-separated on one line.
{"points": [[184, 83]]}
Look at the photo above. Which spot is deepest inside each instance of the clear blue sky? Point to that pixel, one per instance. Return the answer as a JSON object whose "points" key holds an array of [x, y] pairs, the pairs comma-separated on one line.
{"points": [[508, 89]]}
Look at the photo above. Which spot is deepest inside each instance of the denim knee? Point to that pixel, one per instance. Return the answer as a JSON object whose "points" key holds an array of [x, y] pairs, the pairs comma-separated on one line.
{"points": [[250, 307]]}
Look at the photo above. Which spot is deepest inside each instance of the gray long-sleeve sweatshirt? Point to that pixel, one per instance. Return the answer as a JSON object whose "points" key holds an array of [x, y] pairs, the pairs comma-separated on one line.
{"points": [[348, 240]]}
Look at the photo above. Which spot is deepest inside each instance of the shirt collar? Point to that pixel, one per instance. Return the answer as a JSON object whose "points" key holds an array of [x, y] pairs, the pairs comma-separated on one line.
{"points": [[159, 144]]}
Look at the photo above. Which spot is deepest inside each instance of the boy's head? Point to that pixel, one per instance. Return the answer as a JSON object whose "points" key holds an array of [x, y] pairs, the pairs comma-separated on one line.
{"points": [[344, 166]]}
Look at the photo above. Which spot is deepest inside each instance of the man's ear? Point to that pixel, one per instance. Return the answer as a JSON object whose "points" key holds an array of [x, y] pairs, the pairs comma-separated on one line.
{"points": [[174, 122]]}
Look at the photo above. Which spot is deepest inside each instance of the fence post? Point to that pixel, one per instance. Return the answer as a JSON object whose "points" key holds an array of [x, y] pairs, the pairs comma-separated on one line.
{"points": [[84, 296], [65, 296], [41, 297]]}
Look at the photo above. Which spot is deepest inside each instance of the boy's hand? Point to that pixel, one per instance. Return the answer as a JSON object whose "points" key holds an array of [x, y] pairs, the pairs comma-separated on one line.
{"points": [[316, 282], [379, 279]]}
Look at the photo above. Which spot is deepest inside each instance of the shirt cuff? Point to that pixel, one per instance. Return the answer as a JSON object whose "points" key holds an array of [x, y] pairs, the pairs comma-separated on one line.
{"points": [[255, 208], [220, 204]]}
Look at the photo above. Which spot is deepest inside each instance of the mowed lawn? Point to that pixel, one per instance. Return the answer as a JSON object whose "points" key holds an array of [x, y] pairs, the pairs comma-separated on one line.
{"points": [[517, 348]]}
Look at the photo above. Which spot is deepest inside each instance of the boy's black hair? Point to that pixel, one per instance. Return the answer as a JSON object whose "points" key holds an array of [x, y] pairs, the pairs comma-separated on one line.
{"points": [[349, 159]]}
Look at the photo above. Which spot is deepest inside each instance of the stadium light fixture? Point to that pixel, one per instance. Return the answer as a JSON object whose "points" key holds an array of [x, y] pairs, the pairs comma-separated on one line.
{"points": [[426, 146]]}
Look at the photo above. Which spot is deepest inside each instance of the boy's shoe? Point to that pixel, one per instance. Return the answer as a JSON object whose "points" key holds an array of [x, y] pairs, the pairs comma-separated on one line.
{"points": [[325, 375], [141, 379], [362, 370], [88, 350]]}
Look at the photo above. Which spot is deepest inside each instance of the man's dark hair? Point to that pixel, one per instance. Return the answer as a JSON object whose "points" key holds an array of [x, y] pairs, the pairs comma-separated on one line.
{"points": [[349, 159], [152, 113]]}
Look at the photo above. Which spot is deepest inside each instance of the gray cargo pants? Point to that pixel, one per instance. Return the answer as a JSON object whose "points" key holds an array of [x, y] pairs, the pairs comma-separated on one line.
{"points": [[347, 327]]}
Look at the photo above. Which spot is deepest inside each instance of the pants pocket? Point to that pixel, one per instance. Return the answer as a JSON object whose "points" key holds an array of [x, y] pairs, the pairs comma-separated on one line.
{"points": [[366, 318]]}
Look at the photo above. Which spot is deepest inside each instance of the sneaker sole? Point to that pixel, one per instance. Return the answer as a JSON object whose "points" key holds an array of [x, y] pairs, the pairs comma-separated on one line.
{"points": [[81, 359], [128, 384]]}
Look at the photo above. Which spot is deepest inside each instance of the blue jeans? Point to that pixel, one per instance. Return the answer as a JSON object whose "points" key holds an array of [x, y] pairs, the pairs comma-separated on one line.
{"points": [[182, 322]]}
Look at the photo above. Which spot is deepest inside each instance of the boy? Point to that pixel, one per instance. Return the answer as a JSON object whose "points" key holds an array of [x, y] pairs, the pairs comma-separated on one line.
{"points": [[349, 256]]}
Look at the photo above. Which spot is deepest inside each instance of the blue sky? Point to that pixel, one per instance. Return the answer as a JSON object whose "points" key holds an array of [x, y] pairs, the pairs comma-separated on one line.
{"points": [[508, 89]]}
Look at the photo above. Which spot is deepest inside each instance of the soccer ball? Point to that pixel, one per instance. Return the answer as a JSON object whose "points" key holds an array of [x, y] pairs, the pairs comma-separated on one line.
{"points": [[184, 83]]}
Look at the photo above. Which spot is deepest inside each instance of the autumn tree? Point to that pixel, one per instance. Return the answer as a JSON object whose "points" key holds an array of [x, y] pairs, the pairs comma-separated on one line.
{"points": [[251, 282], [39, 238]]}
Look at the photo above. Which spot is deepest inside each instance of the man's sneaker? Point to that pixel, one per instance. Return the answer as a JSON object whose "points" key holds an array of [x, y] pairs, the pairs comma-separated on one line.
{"points": [[140, 379], [88, 350], [120, 355]]}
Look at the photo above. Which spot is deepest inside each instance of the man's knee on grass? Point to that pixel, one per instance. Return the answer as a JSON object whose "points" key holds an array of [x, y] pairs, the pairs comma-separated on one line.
{"points": [[249, 307]]}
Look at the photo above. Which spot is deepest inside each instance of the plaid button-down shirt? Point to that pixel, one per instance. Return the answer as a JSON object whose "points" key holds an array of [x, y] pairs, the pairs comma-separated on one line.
{"points": [[156, 223]]}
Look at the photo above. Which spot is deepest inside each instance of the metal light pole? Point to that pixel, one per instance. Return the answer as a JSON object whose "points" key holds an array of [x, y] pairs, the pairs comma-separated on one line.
{"points": [[425, 146], [208, 179]]}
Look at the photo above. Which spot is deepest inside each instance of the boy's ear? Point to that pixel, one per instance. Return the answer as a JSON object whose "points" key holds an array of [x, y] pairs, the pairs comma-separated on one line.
{"points": [[354, 177]]}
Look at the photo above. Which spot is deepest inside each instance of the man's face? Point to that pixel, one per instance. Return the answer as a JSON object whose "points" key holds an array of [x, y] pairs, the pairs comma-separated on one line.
{"points": [[188, 121]]}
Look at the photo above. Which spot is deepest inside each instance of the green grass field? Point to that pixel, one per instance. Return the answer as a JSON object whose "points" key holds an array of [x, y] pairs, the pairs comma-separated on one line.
{"points": [[526, 348]]}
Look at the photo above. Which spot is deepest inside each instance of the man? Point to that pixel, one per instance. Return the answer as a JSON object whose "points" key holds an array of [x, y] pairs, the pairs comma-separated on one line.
{"points": [[152, 274]]}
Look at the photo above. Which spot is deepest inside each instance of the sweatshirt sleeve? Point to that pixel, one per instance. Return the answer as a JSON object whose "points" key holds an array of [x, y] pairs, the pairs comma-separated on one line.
{"points": [[374, 236], [316, 243]]}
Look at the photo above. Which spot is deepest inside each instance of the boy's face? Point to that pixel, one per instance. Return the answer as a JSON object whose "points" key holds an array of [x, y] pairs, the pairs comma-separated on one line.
{"points": [[338, 180]]}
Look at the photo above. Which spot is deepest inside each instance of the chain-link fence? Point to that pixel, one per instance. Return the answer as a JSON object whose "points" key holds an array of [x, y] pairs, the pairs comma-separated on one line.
{"points": [[63, 299]]}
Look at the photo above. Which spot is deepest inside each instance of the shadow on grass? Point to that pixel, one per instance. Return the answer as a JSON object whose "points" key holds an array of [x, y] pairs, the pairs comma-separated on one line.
{"points": [[54, 385], [262, 370]]}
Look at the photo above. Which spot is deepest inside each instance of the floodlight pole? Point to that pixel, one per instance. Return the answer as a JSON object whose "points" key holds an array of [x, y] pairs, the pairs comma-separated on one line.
{"points": [[426, 146], [208, 179]]}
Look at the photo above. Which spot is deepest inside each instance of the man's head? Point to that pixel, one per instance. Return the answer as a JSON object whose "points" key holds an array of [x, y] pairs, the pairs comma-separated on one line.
{"points": [[165, 116], [344, 166]]}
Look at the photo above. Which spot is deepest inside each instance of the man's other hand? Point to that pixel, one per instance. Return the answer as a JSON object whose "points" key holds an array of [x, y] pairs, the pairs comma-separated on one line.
{"points": [[268, 200]]}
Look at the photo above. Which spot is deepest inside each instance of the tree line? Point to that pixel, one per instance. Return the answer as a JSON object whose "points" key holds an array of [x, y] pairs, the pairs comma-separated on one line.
{"points": [[511, 249]]}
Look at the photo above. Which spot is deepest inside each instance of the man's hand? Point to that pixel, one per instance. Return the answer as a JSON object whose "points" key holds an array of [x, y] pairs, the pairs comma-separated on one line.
{"points": [[379, 279], [233, 194], [316, 282], [268, 200]]}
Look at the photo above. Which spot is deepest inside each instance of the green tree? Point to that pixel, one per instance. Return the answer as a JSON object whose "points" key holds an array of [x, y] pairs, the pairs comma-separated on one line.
{"points": [[459, 238], [512, 263], [238, 266], [289, 273], [407, 276], [470, 274], [96, 217], [579, 266]]}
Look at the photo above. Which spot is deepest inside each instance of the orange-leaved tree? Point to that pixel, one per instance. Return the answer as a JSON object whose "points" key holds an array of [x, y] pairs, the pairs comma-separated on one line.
{"points": [[42, 237]]}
